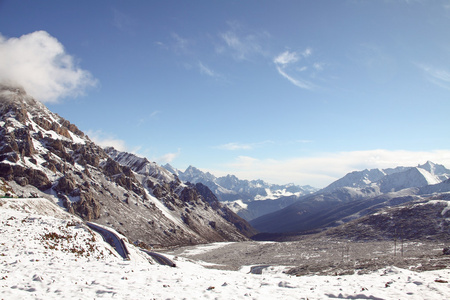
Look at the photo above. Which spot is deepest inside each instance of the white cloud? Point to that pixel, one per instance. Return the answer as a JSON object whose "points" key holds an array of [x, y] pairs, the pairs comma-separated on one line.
{"points": [[300, 83], [307, 52], [235, 146], [243, 46], [168, 157], [437, 76], [240, 146], [155, 113], [181, 44], [122, 21], [152, 116], [39, 62], [107, 140], [104, 139], [206, 70], [283, 62], [286, 58], [318, 66], [323, 169]]}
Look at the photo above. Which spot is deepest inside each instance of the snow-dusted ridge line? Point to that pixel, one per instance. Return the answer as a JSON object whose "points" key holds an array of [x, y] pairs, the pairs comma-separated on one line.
{"points": [[247, 198], [392, 178]]}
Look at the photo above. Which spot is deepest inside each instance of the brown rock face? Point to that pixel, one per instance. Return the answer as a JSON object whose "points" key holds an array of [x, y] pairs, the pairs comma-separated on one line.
{"points": [[66, 184], [88, 208], [24, 176]]}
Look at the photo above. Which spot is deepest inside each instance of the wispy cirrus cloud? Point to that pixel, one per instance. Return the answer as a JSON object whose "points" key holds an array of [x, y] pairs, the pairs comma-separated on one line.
{"points": [[242, 44], [177, 43], [155, 113], [286, 66], [233, 146], [297, 82], [437, 76], [180, 44], [286, 58], [168, 157], [152, 116], [206, 70], [123, 21]]}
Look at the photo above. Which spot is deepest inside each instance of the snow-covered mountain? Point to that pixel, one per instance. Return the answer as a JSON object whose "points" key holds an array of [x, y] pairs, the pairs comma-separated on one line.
{"points": [[393, 179], [175, 193], [355, 195], [248, 198], [42, 154]]}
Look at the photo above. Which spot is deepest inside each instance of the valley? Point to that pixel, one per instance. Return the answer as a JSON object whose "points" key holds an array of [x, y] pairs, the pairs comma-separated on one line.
{"points": [[325, 256]]}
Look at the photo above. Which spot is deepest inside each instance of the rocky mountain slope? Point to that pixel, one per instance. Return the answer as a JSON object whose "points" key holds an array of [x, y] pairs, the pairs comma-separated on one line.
{"points": [[42, 154], [422, 219], [248, 198], [150, 175], [356, 195]]}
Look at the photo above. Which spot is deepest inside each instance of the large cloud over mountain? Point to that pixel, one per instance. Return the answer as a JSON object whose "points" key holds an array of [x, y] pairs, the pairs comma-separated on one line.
{"points": [[38, 62]]}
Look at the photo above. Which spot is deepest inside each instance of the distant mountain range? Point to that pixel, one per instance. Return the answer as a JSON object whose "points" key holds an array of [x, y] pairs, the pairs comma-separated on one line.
{"points": [[248, 198], [44, 155], [366, 194]]}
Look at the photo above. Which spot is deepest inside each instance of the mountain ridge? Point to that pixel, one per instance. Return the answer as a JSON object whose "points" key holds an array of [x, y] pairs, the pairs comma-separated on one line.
{"points": [[355, 195], [42, 154], [248, 198]]}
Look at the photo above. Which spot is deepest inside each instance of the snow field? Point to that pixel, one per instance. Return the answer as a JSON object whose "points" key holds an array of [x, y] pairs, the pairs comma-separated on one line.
{"points": [[54, 257]]}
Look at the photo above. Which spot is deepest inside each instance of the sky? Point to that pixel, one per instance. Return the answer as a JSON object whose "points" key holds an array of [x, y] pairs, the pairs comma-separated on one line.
{"points": [[284, 91]]}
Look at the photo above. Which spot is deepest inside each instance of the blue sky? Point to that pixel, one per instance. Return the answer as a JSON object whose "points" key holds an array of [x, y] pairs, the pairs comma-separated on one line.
{"points": [[285, 91]]}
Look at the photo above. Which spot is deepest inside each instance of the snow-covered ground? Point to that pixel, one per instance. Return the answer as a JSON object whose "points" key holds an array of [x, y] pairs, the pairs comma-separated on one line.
{"points": [[47, 254]]}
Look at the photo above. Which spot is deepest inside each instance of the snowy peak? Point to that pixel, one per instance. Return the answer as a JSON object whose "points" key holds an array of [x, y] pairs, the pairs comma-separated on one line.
{"points": [[141, 165], [357, 179], [195, 175], [393, 179], [437, 170], [230, 187], [413, 177], [171, 169]]}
